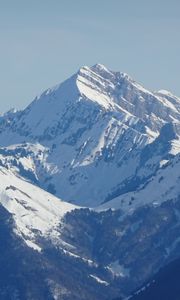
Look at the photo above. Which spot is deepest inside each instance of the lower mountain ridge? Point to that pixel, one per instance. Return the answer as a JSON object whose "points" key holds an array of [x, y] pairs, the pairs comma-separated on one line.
{"points": [[82, 253]]}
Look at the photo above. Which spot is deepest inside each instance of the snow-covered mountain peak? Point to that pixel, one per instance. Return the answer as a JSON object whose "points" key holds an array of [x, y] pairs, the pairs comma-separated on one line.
{"points": [[117, 90], [105, 72], [95, 122], [100, 67], [9, 114], [102, 89], [11, 111], [99, 71], [165, 93], [102, 70]]}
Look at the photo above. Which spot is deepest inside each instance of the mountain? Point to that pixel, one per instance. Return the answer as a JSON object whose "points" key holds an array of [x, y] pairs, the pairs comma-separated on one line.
{"points": [[111, 150], [88, 133]]}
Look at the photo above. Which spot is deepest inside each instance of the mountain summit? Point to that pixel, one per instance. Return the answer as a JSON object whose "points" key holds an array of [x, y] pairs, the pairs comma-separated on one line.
{"points": [[89, 132]]}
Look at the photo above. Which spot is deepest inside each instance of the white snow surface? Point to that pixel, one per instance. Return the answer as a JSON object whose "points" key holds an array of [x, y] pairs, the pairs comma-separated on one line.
{"points": [[162, 187], [99, 280], [33, 209], [118, 270], [81, 137]]}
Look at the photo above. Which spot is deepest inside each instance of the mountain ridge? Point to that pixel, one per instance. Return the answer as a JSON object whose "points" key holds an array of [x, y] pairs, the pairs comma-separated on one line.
{"points": [[90, 122]]}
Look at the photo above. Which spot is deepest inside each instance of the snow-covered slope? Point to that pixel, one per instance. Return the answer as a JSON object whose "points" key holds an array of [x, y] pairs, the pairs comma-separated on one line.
{"points": [[164, 185], [36, 213], [84, 139], [80, 140]]}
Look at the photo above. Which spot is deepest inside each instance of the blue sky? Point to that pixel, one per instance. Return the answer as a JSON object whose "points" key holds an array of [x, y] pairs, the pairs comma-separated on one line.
{"points": [[44, 42]]}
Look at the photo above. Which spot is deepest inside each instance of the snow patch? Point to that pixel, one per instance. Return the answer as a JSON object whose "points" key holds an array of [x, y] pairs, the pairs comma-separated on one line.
{"points": [[99, 280], [119, 270]]}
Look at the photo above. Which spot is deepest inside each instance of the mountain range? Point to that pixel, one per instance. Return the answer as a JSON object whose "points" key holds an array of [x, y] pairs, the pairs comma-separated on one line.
{"points": [[89, 189]]}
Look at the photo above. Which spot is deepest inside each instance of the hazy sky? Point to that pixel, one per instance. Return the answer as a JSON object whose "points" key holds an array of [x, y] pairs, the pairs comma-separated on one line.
{"points": [[42, 42]]}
